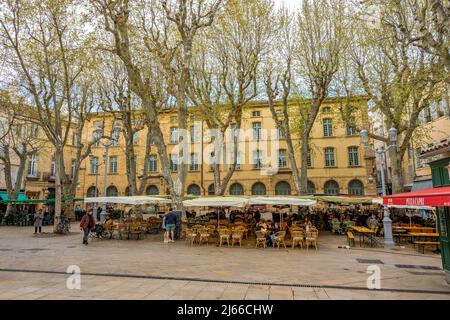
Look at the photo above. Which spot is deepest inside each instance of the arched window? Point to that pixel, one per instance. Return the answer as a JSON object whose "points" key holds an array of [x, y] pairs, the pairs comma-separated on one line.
{"points": [[258, 189], [91, 192], [211, 190], [194, 190], [356, 188], [236, 189], [282, 188], [331, 188], [112, 191], [152, 190], [311, 187]]}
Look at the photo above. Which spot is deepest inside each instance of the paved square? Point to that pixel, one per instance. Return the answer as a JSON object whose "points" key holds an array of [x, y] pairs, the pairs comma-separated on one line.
{"points": [[34, 267]]}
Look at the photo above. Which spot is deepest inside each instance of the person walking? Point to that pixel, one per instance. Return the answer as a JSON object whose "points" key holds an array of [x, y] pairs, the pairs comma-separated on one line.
{"points": [[170, 222], [38, 218], [87, 223]]}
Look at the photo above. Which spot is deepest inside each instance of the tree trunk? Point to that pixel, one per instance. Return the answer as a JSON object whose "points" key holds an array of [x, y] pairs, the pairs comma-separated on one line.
{"points": [[305, 142], [59, 185]]}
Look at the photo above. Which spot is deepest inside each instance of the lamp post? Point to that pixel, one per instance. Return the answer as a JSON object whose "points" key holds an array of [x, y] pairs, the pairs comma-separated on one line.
{"points": [[92, 159], [114, 137], [381, 153]]}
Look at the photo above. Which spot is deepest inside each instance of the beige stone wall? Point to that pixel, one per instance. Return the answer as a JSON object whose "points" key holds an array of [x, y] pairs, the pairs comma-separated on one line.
{"points": [[342, 173]]}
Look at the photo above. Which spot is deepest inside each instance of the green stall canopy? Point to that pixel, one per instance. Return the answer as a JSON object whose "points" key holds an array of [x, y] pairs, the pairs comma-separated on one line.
{"points": [[31, 201], [4, 197]]}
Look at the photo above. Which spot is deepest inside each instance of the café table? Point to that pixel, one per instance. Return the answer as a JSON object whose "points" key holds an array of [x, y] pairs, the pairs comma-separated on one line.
{"points": [[363, 232]]}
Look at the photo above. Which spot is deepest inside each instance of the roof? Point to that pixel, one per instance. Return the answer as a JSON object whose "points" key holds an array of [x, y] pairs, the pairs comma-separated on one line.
{"points": [[438, 147]]}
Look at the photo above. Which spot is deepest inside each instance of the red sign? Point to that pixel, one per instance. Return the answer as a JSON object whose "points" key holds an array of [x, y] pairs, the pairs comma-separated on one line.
{"points": [[435, 197]]}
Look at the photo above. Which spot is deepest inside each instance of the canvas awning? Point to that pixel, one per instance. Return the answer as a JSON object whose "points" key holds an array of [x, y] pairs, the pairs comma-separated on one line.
{"points": [[237, 202], [349, 199], [20, 197], [32, 201], [295, 201], [134, 200], [434, 197]]}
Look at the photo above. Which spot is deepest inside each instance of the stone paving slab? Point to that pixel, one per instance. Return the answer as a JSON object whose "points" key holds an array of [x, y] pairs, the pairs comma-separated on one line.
{"points": [[147, 268]]}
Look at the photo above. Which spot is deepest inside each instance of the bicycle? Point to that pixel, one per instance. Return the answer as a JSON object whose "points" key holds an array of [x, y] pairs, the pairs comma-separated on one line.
{"points": [[63, 226]]}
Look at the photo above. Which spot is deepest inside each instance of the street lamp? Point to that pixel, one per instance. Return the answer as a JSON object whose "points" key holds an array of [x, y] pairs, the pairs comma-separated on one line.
{"points": [[114, 137], [381, 152], [92, 158]]}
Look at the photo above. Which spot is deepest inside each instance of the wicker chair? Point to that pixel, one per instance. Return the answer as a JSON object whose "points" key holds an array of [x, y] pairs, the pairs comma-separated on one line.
{"points": [[311, 239], [224, 236], [279, 239], [237, 236], [260, 239], [190, 236], [204, 235], [297, 238]]}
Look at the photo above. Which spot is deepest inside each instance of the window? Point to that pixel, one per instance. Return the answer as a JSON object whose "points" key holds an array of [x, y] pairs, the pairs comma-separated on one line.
{"points": [[74, 139], [211, 190], [326, 109], [280, 134], [356, 188], [353, 158], [329, 157], [94, 165], [309, 159], [98, 124], [53, 168], [257, 130], [282, 162], [173, 119], [115, 134], [212, 161], [256, 113], [351, 131], [194, 134], [32, 166], [194, 162], [34, 130], [73, 167], [152, 191], [96, 138], [257, 159], [331, 188], [136, 138], [194, 190], [238, 161], [112, 191], [174, 162], [327, 127], [282, 188], [113, 164], [174, 135], [311, 188], [258, 189], [92, 192], [236, 189], [153, 163]]}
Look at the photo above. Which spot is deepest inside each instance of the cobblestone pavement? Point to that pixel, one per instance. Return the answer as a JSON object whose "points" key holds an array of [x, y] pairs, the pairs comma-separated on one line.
{"points": [[34, 267]]}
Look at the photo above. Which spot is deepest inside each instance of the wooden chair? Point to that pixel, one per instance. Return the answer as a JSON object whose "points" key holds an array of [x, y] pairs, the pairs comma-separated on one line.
{"points": [[278, 239], [237, 236], [297, 238], [311, 239], [123, 229], [260, 239], [137, 230], [224, 236], [203, 235], [190, 236]]}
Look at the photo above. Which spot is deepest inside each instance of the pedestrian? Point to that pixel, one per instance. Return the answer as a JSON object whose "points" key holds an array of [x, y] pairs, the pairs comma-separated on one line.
{"points": [[170, 222], [38, 218], [87, 223]]}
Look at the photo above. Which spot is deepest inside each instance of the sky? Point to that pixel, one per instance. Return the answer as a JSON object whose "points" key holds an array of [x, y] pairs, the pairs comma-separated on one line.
{"points": [[291, 4]]}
